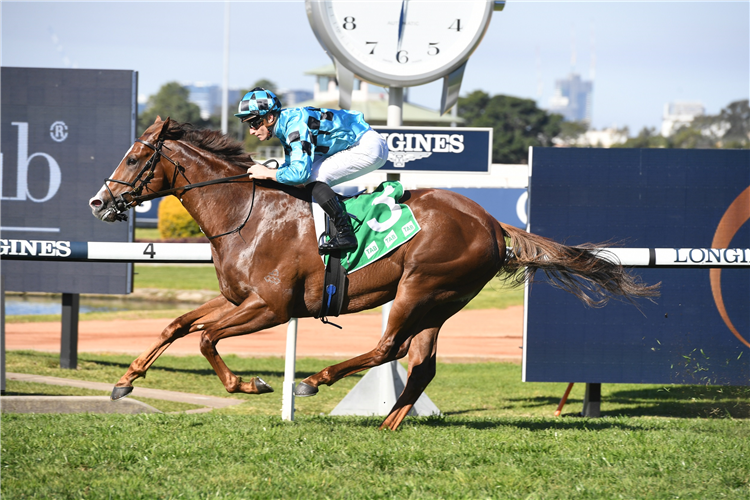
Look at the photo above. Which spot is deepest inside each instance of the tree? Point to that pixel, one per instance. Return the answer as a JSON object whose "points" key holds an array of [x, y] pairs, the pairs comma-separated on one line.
{"points": [[646, 138], [171, 101], [516, 123], [236, 128], [570, 132], [728, 129], [266, 84]]}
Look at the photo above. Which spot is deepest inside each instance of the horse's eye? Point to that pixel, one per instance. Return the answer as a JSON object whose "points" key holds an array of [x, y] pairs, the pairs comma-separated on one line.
{"points": [[132, 161]]}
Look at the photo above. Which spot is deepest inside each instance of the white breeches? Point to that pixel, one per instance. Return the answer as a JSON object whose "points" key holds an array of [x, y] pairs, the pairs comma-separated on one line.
{"points": [[368, 154]]}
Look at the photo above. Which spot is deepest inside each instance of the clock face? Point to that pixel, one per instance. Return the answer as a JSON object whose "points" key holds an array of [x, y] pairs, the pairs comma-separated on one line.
{"points": [[400, 42]]}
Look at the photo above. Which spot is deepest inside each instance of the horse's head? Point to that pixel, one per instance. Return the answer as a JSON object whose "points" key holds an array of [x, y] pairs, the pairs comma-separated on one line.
{"points": [[140, 172]]}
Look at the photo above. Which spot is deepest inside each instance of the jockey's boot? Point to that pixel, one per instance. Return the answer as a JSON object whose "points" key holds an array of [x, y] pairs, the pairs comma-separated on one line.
{"points": [[344, 239]]}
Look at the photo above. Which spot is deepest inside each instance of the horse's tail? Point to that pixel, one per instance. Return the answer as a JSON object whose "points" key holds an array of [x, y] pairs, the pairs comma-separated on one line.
{"points": [[592, 276]]}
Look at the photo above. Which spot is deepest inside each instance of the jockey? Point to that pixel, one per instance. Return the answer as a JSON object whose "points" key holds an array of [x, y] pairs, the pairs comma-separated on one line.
{"points": [[323, 147]]}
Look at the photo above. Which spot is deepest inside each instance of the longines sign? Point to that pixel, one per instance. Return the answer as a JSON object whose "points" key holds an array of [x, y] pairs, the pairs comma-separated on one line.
{"points": [[437, 149], [63, 132]]}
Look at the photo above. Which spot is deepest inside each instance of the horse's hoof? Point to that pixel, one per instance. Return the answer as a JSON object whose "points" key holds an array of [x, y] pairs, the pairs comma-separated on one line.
{"points": [[261, 386], [120, 392], [303, 390]]}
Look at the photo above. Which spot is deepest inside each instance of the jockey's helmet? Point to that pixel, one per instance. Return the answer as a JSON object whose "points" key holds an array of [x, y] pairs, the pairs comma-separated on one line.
{"points": [[258, 102]]}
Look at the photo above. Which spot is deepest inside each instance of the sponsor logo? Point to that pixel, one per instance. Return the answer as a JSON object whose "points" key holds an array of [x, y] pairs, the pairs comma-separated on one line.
{"points": [[390, 239], [34, 248], [734, 218], [371, 250], [408, 228], [58, 131], [406, 147], [428, 143], [711, 255], [399, 159], [22, 170]]}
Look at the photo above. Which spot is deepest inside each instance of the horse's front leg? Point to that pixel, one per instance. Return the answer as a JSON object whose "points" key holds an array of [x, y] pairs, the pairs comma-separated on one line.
{"points": [[250, 316], [185, 324]]}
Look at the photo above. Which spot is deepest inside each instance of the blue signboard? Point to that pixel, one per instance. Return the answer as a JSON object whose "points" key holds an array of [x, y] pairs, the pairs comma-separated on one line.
{"points": [[506, 205], [437, 149], [147, 213], [698, 331]]}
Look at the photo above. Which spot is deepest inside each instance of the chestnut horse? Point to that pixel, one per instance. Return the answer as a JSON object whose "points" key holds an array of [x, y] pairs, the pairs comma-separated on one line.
{"points": [[259, 229]]}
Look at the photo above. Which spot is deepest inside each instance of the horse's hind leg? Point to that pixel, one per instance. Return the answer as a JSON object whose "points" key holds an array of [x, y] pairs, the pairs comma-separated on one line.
{"points": [[185, 324], [422, 369], [422, 362], [402, 325]]}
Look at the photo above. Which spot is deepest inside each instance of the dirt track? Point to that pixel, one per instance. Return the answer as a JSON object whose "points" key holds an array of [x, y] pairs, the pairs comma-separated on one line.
{"points": [[469, 336]]}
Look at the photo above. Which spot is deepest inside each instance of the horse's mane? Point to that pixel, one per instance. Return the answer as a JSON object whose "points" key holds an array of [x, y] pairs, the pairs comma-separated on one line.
{"points": [[225, 148], [220, 145]]}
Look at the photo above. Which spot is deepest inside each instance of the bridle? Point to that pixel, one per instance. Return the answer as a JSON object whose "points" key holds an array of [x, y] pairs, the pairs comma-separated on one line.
{"points": [[141, 181], [129, 199]]}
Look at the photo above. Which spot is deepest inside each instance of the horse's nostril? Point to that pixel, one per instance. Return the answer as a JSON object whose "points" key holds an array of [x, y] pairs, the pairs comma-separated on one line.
{"points": [[95, 203]]}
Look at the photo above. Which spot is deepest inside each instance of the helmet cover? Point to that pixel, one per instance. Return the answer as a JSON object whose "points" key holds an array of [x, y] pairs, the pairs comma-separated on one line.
{"points": [[258, 102]]}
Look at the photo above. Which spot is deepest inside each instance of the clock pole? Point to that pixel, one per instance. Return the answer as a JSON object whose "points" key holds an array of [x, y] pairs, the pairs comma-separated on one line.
{"points": [[341, 27], [395, 107]]}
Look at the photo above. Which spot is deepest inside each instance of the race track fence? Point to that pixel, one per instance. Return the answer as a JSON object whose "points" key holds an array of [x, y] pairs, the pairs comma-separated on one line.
{"points": [[185, 253]]}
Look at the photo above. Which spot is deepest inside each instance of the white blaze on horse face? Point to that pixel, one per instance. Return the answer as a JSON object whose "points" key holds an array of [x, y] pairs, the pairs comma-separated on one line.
{"points": [[118, 165], [101, 194]]}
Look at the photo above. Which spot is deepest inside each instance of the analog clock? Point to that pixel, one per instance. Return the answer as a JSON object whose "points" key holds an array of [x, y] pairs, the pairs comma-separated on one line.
{"points": [[400, 43]]}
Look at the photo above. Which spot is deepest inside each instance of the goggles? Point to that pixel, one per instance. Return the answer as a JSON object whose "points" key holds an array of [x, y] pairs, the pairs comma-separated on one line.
{"points": [[254, 122]]}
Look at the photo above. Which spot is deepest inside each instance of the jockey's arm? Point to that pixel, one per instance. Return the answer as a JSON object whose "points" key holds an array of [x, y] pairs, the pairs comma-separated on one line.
{"points": [[297, 166]]}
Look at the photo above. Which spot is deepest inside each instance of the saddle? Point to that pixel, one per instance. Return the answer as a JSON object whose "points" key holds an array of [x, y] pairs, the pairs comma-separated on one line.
{"points": [[381, 224]]}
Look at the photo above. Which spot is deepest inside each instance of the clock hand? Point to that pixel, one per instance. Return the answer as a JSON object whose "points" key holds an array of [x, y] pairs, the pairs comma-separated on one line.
{"points": [[401, 22]]}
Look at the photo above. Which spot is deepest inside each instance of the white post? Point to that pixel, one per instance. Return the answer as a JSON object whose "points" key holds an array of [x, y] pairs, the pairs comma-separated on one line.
{"points": [[386, 384], [225, 89], [287, 397], [395, 119]]}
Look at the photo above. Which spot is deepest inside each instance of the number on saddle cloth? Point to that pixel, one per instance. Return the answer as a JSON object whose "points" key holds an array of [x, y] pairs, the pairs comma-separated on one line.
{"points": [[380, 224]]}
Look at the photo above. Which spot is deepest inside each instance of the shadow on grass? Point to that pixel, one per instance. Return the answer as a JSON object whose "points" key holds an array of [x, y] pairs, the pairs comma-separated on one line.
{"points": [[443, 421], [124, 365], [244, 371], [671, 401]]}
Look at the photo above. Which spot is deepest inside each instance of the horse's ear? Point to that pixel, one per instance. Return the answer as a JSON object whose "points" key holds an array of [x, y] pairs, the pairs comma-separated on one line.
{"points": [[160, 128], [164, 127]]}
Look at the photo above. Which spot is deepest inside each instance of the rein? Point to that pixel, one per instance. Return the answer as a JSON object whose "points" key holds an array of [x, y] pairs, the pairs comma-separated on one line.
{"points": [[135, 197]]}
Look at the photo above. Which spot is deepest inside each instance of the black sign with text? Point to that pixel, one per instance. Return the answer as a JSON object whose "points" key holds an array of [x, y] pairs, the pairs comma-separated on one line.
{"points": [[63, 132]]}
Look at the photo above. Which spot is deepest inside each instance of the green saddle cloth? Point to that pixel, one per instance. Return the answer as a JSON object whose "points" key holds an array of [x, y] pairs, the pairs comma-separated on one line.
{"points": [[381, 224]]}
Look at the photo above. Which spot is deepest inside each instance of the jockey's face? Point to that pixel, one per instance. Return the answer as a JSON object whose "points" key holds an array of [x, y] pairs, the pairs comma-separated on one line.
{"points": [[261, 129]]}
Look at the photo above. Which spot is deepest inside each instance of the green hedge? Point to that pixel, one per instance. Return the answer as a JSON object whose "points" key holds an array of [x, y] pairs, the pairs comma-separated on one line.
{"points": [[175, 221]]}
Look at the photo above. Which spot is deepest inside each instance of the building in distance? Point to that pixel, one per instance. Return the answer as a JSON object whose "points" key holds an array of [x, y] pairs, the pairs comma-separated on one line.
{"points": [[678, 114], [572, 98]]}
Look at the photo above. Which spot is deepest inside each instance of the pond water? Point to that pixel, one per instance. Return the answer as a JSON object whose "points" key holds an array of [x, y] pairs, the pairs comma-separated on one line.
{"points": [[19, 305]]}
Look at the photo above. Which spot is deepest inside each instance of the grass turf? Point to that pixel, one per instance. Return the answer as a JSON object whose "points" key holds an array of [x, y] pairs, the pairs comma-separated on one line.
{"points": [[495, 439]]}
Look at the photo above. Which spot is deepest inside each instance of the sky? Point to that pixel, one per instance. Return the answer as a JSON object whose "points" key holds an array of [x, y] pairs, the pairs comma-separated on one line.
{"points": [[646, 54]]}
